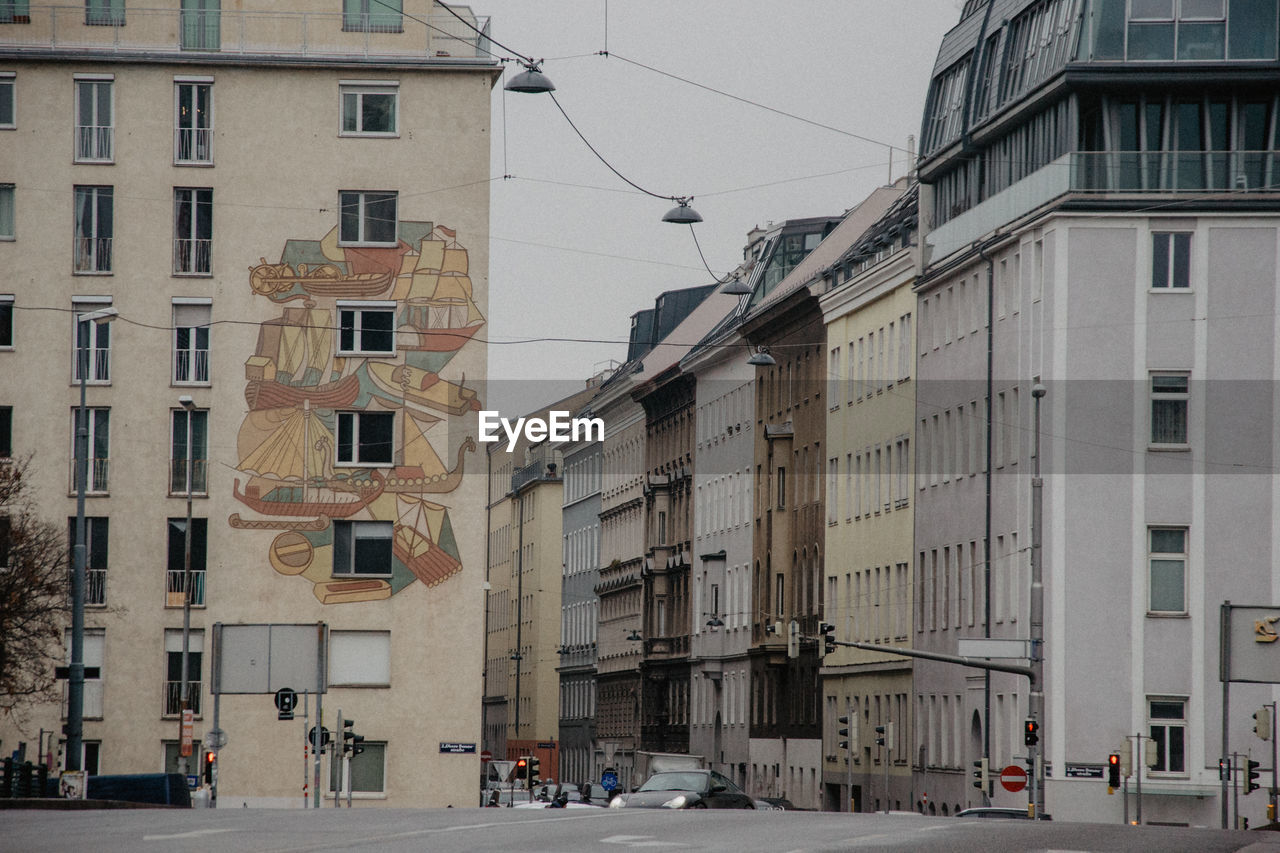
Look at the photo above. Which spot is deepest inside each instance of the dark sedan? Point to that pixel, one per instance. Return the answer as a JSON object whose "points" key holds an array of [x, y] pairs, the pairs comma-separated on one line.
{"points": [[685, 789]]}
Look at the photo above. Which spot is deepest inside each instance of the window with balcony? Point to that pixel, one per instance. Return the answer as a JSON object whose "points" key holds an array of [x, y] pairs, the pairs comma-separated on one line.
{"points": [[192, 231], [95, 128], [372, 16], [15, 12], [104, 13], [92, 356], [6, 212], [177, 556], [189, 452], [201, 24], [94, 642], [8, 87], [93, 229], [1170, 394], [96, 529], [366, 328], [98, 444], [173, 671], [367, 218], [362, 548], [191, 343], [365, 438], [369, 109], [193, 122]]}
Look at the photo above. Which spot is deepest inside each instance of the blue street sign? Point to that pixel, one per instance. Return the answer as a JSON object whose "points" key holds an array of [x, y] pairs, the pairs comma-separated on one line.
{"points": [[608, 780], [193, 781]]}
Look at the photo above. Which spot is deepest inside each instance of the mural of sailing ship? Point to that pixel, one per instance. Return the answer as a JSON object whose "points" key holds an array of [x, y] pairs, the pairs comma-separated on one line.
{"points": [[295, 384]]}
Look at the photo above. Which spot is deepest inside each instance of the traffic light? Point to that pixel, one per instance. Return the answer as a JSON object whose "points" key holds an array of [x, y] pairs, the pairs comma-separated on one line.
{"points": [[210, 759], [1113, 772], [980, 774], [827, 633], [847, 743], [880, 738], [1262, 723], [535, 770], [1030, 732], [1253, 777], [522, 769], [793, 639], [351, 742]]}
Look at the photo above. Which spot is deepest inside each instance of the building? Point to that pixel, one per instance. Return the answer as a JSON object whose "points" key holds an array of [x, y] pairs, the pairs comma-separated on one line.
{"points": [[295, 297], [868, 306], [1098, 217]]}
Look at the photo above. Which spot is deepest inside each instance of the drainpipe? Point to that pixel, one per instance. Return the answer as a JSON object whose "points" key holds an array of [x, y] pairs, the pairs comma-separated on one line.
{"points": [[986, 537]]}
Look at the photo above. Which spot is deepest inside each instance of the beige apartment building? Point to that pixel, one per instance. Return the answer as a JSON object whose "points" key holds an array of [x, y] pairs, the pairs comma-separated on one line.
{"points": [[287, 209]]}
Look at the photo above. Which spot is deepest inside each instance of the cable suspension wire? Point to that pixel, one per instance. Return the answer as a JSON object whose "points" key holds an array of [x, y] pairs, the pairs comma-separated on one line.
{"points": [[601, 158]]}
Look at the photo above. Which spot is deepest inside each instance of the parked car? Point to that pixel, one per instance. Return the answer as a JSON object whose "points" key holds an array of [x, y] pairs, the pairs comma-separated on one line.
{"points": [[505, 797], [685, 789], [774, 804], [998, 813]]}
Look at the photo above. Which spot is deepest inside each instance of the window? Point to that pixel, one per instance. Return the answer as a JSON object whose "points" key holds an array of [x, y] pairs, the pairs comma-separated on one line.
{"points": [[1168, 720], [372, 16], [6, 321], [95, 130], [94, 641], [92, 346], [98, 444], [367, 218], [6, 210], [366, 773], [360, 658], [190, 443], [192, 231], [16, 12], [193, 122], [104, 13], [782, 488], [191, 343], [366, 328], [6, 432], [174, 585], [1169, 395], [173, 671], [93, 229], [201, 24], [1170, 260], [362, 548], [96, 530], [364, 438], [369, 109], [172, 755], [1167, 562]]}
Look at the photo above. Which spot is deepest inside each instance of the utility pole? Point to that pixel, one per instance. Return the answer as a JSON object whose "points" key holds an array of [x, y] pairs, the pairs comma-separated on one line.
{"points": [[1036, 698]]}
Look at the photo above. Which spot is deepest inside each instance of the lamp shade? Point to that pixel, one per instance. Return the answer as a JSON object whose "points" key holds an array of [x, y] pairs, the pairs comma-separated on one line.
{"points": [[761, 358], [532, 81], [682, 214], [736, 287]]}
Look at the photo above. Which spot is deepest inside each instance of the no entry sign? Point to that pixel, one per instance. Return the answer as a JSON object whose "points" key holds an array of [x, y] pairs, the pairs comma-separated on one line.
{"points": [[1013, 778]]}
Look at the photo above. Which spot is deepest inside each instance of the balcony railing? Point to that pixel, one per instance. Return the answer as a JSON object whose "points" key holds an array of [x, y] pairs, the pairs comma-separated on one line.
{"points": [[173, 588], [1115, 175], [94, 142], [95, 476], [194, 144], [95, 587], [178, 476], [173, 697], [192, 257], [191, 366], [97, 362], [93, 254], [314, 34]]}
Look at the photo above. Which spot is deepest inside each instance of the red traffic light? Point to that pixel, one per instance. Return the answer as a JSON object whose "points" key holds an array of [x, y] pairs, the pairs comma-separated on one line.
{"points": [[1113, 759]]}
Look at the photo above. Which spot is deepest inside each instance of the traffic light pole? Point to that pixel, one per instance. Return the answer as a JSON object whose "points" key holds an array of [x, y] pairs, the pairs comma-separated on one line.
{"points": [[1036, 697], [848, 757]]}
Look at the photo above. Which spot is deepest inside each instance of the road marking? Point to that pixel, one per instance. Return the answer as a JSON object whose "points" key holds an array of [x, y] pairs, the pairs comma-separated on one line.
{"points": [[195, 833], [395, 836], [639, 841]]}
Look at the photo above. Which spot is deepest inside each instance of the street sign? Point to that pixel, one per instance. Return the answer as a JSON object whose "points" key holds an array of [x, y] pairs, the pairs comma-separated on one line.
{"points": [[216, 738], [193, 781], [286, 700], [188, 724], [324, 736], [1085, 771], [609, 780], [991, 647], [486, 756], [458, 748], [1013, 778]]}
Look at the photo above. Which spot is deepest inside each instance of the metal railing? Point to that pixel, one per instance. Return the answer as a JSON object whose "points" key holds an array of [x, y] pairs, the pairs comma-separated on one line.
{"points": [[173, 698], [173, 590], [315, 34], [95, 142], [191, 365], [192, 256], [178, 476], [95, 587], [93, 254], [95, 476], [193, 144], [99, 370]]}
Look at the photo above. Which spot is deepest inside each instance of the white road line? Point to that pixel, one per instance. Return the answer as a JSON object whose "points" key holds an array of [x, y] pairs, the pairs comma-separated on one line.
{"points": [[195, 833]]}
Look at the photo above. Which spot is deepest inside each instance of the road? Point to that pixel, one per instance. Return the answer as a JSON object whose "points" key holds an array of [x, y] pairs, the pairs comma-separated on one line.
{"points": [[467, 830]]}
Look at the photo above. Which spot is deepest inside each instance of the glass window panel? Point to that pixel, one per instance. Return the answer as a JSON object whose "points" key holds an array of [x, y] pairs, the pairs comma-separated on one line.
{"points": [[378, 113], [376, 436], [6, 101], [1166, 710], [1168, 541], [1170, 384], [1160, 260], [1151, 9], [1151, 41], [1202, 41], [6, 210], [349, 114], [1212, 9], [1182, 269], [1169, 421], [1252, 29], [1167, 587], [1109, 26]]}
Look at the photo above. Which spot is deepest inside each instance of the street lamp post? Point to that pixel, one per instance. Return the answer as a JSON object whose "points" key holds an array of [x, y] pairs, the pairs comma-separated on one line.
{"points": [[75, 672], [1036, 704], [189, 406]]}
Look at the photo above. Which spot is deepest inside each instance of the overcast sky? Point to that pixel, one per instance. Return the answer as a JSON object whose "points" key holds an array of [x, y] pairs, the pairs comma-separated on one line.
{"points": [[575, 251]]}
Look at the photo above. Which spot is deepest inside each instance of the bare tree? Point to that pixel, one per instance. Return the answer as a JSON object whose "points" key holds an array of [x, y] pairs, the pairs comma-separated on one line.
{"points": [[34, 593]]}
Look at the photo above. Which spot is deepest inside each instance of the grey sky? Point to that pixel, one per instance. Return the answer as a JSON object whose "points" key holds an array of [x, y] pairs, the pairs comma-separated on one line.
{"points": [[575, 251]]}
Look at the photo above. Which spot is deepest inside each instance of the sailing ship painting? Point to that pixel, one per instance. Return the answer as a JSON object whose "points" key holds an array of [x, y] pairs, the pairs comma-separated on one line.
{"points": [[299, 385]]}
